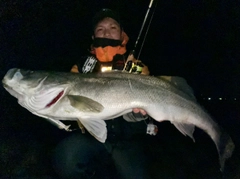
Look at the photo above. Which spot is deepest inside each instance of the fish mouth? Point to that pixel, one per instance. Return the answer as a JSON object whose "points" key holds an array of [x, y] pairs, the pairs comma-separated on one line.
{"points": [[14, 93], [10, 74], [5, 85]]}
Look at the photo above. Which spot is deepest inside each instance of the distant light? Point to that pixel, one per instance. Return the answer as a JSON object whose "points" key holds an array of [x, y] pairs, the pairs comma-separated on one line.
{"points": [[235, 99], [220, 98], [209, 98]]}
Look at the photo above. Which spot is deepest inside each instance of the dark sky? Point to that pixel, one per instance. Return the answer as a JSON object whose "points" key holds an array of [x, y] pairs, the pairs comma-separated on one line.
{"points": [[198, 40]]}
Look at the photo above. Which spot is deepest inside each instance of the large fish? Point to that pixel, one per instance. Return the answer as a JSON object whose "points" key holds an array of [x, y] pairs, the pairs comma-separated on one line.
{"points": [[92, 98]]}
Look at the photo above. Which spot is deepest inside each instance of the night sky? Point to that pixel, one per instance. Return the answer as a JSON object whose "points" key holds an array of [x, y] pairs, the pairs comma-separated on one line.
{"points": [[197, 40]]}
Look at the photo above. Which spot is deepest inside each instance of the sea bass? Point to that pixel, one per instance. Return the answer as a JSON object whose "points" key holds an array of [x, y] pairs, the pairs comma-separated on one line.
{"points": [[92, 98]]}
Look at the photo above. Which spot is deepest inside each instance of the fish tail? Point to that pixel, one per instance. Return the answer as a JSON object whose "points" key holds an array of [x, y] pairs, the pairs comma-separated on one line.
{"points": [[225, 148]]}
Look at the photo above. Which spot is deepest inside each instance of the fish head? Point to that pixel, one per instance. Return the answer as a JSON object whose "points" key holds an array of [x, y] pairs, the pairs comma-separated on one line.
{"points": [[21, 81], [33, 89]]}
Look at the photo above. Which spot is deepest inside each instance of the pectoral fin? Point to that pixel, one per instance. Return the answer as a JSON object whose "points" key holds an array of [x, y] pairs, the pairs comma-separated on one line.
{"points": [[85, 104], [185, 129], [96, 127], [80, 125]]}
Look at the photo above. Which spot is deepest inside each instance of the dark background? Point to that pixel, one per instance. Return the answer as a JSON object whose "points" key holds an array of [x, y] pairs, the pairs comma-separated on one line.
{"points": [[198, 40]]}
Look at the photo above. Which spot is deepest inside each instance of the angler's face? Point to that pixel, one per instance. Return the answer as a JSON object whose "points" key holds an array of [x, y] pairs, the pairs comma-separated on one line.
{"points": [[108, 28]]}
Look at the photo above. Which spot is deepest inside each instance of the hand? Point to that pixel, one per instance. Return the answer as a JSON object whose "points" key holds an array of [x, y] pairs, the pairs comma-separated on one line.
{"points": [[138, 110], [145, 70]]}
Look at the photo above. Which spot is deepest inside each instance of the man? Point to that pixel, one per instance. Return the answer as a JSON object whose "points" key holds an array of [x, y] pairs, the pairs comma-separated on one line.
{"points": [[81, 155]]}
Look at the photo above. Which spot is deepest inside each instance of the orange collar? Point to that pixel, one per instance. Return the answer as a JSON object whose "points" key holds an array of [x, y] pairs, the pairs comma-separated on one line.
{"points": [[106, 54]]}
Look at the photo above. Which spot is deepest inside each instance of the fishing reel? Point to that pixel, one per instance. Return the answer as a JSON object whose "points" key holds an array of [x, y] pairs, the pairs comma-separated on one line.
{"points": [[132, 65]]}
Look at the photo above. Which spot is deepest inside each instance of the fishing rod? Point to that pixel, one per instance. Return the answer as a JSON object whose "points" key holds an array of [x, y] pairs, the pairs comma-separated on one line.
{"points": [[146, 32], [130, 66]]}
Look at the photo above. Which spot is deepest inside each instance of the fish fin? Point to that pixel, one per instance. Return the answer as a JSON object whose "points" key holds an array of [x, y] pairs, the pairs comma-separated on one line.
{"points": [[85, 104], [225, 147], [167, 78], [96, 127], [80, 125], [181, 84], [185, 129]]}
